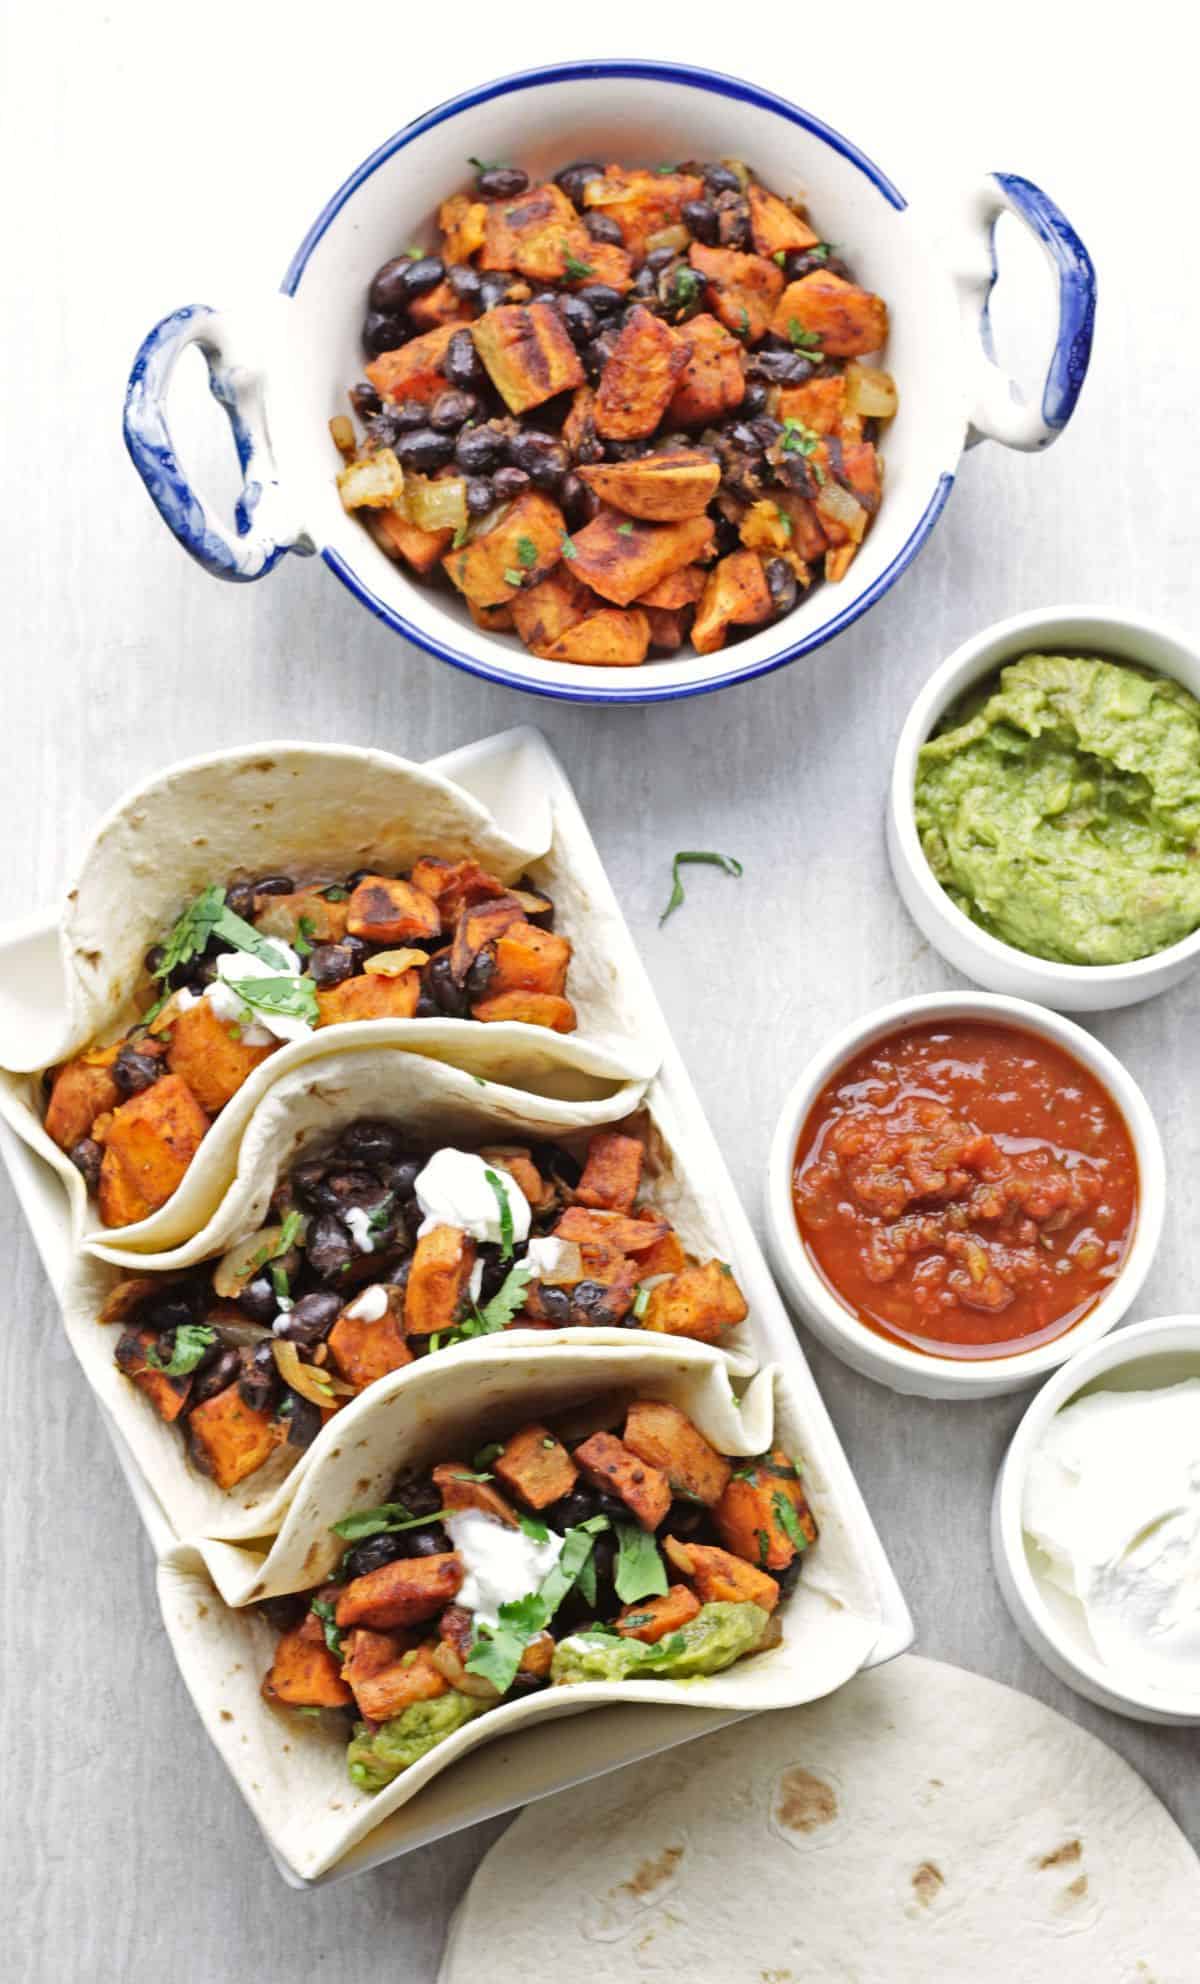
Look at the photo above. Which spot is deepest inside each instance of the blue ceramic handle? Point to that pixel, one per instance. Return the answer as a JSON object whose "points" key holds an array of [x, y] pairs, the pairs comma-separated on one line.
{"points": [[264, 532], [997, 412]]}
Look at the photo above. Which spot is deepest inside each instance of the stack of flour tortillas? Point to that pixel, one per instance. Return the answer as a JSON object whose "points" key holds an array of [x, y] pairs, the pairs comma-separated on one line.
{"points": [[921, 1826]]}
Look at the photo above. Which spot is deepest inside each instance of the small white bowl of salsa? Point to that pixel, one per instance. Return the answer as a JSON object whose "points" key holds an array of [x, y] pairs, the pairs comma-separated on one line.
{"points": [[1018, 884], [964, 1190]]}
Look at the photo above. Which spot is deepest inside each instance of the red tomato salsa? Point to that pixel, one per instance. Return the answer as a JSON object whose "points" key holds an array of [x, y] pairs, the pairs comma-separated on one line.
{"points": [[966, 1188]]}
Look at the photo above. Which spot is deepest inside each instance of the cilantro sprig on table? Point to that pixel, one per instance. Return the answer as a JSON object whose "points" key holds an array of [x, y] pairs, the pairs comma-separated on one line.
{"points": [[705, 857]]}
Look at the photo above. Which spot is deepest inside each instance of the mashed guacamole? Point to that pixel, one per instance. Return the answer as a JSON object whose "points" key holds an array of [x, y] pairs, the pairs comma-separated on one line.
{"points": [[1060, 809]]}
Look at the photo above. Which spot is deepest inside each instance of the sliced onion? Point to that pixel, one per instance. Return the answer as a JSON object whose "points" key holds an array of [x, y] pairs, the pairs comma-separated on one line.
{"points": [[480, 526], [668, 237], [243, 1261], [446, 1659], [393, 964], [375, 483], [436, 505], [741, 171], [842, 508], [532, 905], [341, 433], [871, 392], [319, 1387], [569, 1270]]}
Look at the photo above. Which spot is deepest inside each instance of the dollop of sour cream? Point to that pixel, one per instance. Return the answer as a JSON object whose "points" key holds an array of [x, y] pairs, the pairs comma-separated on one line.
{"points": [[1112, 1502], [454, 1190], [258, 1029], [500, 1564]]}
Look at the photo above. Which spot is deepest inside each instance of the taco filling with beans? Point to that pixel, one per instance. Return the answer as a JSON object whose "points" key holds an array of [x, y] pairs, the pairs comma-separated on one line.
{"points": [[377, 1254], [252, 966], [599, 1546]]}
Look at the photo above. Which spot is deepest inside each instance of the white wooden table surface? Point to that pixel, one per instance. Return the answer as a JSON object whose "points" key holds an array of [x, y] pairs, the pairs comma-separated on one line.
{"points": [[156, 156]]}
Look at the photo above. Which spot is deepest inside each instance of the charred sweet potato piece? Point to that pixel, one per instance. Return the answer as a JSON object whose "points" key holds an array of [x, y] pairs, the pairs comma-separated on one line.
{"points": [[668, 630], [493, 619], [385, 910], [718, 1576], [638, 382], [743, 290], [594, 1227], [651, 1619], [536, 233], [737, 595], [837, 563], [665, 1257], [519, 551], [532, 1008], [210, 1057], [441, 1268], [83, 1089], [411, 1677], [535, 1467], [463, 223], [460, 1488], [168, 1396], [857, 466], [699, 1301], [773, 225], [660, 488], [414, 370], [520, 1165], [610, 1466], [399, 539], [478, 926], [370, 996], [622, 559], [610, 638], [682, 588], [364, 1348], [527, 353], [402, 1593], [440, 305], [148, 1144], [612, 1172], [530, 960], [665, 1437], [453, 885], [766, 527], [848, 320], [819, 404], [713, 381], [642, 203], [808, 539], [229, 1439], [543, 612], [281, 916], [747, 1517], [579, 427], [605, 263], [304, 1674]]}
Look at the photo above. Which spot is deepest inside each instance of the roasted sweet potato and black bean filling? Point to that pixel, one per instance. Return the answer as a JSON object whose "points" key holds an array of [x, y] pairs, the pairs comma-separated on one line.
{"points": [[249, 967], [607, 1544], [620, 409], [378, 1253]]}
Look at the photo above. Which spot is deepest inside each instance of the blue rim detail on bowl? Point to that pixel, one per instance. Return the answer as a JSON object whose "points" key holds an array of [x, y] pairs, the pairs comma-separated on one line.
{"points": [[1076, 295], [712, 80], [670, 692]]}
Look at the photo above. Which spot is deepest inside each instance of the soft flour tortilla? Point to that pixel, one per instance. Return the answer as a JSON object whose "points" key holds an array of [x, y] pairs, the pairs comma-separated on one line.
{"points": [[921, 1824], [292, 1772], [304, 808]]}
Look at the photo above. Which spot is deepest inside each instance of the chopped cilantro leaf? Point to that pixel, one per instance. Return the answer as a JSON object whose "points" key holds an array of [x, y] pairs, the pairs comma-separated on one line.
{"points": [[487, 1455], [806, 342], [687, 855], [306, 931], [789, 1522], [624, 530], [191, 1341], [534, 1529], [513, 578], [568, 547], [527, 553], [506, 1218], [639, 1571], [336, 893], [576, 271], [324, 1611]]}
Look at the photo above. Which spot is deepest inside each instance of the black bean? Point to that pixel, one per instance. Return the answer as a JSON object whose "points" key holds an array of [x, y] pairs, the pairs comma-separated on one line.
{"points": [[509, 483], [579, 1506], [611, 1506], [330, 964], [555, 1162], [274, 885], [389, 291], [601, 297], [221, 1371], [431, 1542], [365, 400], [624, 451], [260, 1385], [480, 976], [501, 182], [356, 947], [401, 1177], [547, 296], [132, 1072], [720, 178], [452, 410], [450, 998], [543, 459], [479, 449], [369, 1141], [782, 583], [660, 258], [396, 1275], [578, 503], [154, 959], [700, 219], [733, 226], [766, 430], [464, 281], [425, 1009], [782, 368], [592, 1302], [492, 291], [603, 228], [645, 288], [258, 1300], [329, 1248], [461, 364], [804, 261], [598, 353], [524, 1683], [311, 1318], [573, 178], [239, 897], [373, 1554], [304, 1421], [421, 274], [380, 333], [424, 449], [754, 399], [354, 1187], [684, 1518], [175, 1306], [308, 1181], [727, 537], [87, 1158], [479, 496], [579, 318], [556, 1305]]}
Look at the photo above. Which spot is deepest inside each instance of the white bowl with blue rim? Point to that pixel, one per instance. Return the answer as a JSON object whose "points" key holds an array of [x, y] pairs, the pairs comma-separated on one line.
{"points": [[282, 372]]}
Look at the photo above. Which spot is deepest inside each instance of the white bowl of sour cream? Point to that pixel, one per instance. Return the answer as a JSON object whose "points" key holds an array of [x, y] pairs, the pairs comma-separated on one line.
{"points": [[1096, 1523]]}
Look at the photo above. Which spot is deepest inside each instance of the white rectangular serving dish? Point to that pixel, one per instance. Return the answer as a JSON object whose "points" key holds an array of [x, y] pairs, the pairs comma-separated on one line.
{"points": [[505, 1774]]}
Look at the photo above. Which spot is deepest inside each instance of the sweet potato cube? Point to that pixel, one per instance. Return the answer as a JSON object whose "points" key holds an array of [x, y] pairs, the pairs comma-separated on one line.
{"points": [[453, 885], [546, 1009], [531, 960], [463, 223], [775, 228], [544, 611], [437, 1280], [719, 1577], [611, 638], [594, 1226], [229, 1439], [394, 534], [665, 1257], [857, 464], [668, 631], [304, 1674], [517, 552], [622, 559], [666, 1438], [638, 382], [518, 1163], [713, 381], [641, 202], [651, 1619], [534, 234], [370, 996], [385, 910], [610, 1466], [281, 916], [364, 1348], [579, 427], [612, 1173], [83, 1089], [168, 1396], [527, 353], [440, 305], [460, 1488], [682, 588], [605, 263], [414, 370], [743, 290], [748, 1519], [148, 1144], [808, 539], [402, 1593], [410, 1677], [848, 320], [479, 925], [493, 619], [536, 1467], [819, 404], [737, 595], [700, 1301], [210, 1057], [660, 488]]}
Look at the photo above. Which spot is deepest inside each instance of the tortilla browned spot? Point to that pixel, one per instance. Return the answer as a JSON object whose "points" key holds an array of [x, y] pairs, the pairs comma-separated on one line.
{"points": [[927, 1882], [804, 1802], [1063, 1855]]}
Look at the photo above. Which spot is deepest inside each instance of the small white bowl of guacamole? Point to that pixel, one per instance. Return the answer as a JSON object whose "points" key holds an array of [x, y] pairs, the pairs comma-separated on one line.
{"points": [[1044, 815]]}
